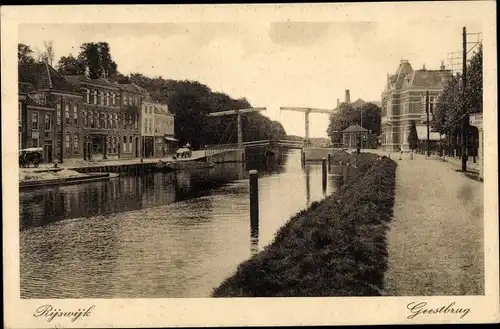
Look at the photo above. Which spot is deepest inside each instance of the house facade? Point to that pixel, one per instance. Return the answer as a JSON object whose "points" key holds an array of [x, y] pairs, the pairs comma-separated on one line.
{"points": [[404, 99], [147, 126], [165, 142], [131, 97], [42, 93], [99, 118]]}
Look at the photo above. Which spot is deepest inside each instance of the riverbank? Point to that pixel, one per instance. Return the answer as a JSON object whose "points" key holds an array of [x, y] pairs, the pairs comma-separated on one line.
{"points": [[336, 247], [49, 177], [45, 175]]}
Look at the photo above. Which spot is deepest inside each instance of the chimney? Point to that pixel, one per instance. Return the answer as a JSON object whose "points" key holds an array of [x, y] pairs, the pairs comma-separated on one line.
{"points": [[338, 102], [423, 68], [347, 96], [442, 65]]}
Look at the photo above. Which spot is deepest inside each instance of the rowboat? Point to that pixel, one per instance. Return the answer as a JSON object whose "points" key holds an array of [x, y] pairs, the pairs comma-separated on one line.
{"points": [[183, 165]]}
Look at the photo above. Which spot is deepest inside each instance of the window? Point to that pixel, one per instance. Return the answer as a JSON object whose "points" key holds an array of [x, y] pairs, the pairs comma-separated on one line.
{"points": [[130, 120], [101, 98], [116, 121], [75, 115], [98, 119], [95, 97], [124, 143], [102, 119], [109, 144], [87, 96], [68, 145], [66, 114], [130, 144], [84, 115], [113, 142], [58, 114], [76, 147], [91, 119], [34, 121], [35, 142], [48, 123], [107, 99], [125, 100], [136, 122], [113, 96], [20, 114], [130, 100], [124, 123]]}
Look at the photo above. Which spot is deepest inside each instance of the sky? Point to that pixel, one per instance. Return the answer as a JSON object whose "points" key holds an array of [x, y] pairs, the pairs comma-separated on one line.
{"points": [[303, 64]]}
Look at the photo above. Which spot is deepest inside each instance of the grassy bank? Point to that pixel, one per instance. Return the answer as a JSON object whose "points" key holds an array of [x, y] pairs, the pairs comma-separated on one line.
{"points": [[336, 247]]}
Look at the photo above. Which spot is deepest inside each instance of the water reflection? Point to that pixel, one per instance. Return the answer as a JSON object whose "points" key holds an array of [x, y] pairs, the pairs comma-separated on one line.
{"points": [[157, 235]]}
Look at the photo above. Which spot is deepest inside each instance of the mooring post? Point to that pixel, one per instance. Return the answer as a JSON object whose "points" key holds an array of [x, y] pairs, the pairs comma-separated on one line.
{"points": [[329, 160], [302, 158], [254, 200], [324, 171]]}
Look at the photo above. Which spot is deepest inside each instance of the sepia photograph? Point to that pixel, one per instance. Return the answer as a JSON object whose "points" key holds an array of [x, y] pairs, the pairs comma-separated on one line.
{"points": [[183, 162]]}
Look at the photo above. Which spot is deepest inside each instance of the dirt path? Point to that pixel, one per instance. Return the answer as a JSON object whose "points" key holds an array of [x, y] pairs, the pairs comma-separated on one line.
{"points": [[435, 242]]}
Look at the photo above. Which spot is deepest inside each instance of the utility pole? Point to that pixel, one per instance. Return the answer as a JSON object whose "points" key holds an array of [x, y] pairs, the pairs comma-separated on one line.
{"points": [[465, 119], [428, 129]]}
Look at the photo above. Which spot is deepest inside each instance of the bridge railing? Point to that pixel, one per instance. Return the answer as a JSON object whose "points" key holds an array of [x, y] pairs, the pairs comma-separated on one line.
{"points": [[219, 148]]}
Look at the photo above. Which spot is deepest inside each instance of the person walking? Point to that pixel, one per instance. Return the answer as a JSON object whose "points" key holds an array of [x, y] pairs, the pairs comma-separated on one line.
{"points": [[358, 147]]}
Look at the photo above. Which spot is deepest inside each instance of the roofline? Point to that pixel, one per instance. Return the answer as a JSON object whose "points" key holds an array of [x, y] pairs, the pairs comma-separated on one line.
{"points": [[40, 107], [88, 81]]}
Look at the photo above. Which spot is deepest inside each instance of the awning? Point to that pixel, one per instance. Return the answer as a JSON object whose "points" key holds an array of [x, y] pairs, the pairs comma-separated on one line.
{"points": [[171, 139]]}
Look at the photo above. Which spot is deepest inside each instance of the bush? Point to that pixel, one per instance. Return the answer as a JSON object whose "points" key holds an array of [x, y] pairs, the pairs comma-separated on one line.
{"points": [[336, 247]]}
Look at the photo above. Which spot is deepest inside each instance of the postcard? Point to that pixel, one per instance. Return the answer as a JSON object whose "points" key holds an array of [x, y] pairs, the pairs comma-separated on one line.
{"points": [[236, 165]]}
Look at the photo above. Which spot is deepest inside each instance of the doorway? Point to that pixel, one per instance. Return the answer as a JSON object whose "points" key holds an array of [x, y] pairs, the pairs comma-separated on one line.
{"points": [[47, 153], [137, 147]]}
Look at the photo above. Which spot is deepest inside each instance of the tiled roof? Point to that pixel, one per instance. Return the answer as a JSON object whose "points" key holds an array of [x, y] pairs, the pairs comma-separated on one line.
{"points": [[430, 78], [78, 80], [354, 128], [25, 87], [43, 76], [131, 88]]}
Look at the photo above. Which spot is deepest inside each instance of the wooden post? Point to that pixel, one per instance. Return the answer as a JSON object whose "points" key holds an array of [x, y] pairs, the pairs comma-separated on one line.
{"points": [[324, 173], [329, 160], [302, 158], [254, 200]]}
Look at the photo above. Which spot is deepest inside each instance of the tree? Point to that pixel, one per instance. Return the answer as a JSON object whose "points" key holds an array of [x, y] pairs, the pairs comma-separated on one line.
{"points": [[25, 54], [47, 55], [96, 60], [349, 115], [70, 65], [413, 136]]}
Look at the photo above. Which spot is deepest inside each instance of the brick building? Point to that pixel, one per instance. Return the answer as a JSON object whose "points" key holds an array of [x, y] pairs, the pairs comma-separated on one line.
{"points": [[42, 93], [131, 111], [147, 126], [403, 100], [99, 118]]}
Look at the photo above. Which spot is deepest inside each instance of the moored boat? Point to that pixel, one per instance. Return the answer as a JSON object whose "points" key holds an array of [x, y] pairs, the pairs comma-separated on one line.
{"points": [[183, 165]]}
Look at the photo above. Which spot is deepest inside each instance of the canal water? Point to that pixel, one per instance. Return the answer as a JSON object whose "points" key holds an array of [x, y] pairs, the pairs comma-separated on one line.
{"points": [[157, 235]]}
